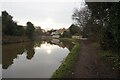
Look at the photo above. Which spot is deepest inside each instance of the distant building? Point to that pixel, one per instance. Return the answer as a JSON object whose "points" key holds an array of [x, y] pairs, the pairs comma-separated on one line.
{"points": [[76, 37], [61, 31], [57, 33]]}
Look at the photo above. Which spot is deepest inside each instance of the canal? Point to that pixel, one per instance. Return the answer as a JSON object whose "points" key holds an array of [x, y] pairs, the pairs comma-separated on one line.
{"points": [[38, 59]]}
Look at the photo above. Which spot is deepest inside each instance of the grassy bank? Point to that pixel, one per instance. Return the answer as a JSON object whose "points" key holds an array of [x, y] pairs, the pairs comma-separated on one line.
{"points": [[74, 41], [68, 39], [66, 67], [111, 57]]}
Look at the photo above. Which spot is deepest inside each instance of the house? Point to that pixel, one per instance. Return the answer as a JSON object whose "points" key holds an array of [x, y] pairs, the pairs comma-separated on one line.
{"points": [[57, 33], [61, 31]]}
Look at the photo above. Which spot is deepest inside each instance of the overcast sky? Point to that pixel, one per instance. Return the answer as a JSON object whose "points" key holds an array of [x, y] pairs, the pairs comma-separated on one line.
{"points": [[47, 14]]}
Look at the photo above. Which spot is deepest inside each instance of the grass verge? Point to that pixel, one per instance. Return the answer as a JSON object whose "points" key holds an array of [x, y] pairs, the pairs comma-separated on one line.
{"points": [[66, 39], [111, 58], [66, 67], [74, 41]]}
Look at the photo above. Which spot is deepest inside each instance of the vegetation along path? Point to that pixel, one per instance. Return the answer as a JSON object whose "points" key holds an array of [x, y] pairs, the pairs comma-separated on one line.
{"points": [[90, 65]]}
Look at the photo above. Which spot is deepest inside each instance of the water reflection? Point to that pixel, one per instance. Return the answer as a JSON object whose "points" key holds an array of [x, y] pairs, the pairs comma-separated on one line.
{"points": [[37, 59], [68, 44], [63, 44], [10, 52], [30, 50]]}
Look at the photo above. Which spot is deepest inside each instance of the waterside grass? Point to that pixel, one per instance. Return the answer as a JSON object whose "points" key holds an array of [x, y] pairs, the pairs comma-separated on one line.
{"points": [[66, 67]]}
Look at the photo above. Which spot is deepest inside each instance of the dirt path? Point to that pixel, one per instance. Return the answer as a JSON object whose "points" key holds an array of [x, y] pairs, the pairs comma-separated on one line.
{"points": [[90, 65]]}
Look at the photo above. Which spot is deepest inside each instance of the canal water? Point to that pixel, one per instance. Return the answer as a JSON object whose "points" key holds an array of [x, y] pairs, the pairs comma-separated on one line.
{"points": [[38, 59]]}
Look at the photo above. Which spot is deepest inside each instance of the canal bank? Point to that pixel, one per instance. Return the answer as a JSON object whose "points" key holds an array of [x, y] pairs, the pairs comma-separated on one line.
{"points": [[66, 68]]}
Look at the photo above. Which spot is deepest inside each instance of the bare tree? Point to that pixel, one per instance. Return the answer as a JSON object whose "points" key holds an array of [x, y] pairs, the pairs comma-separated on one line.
{"points": [[81, 16]]}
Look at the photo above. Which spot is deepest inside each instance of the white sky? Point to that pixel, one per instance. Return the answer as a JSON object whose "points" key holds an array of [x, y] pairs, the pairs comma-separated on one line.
{"points": [[45, 13]]}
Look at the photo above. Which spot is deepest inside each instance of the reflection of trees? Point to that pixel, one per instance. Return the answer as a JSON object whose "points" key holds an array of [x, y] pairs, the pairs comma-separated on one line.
{"points": [[30, 50], [63, 44], [38, 43], [10, 52], [67, 44]]}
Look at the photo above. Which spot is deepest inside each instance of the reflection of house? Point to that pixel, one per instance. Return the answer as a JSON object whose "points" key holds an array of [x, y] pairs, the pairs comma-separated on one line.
{"points": [[56, 41], [57, 33]]}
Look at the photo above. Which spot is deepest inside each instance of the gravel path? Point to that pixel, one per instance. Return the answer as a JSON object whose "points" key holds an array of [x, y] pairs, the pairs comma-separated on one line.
{"points": [[90, 65]]}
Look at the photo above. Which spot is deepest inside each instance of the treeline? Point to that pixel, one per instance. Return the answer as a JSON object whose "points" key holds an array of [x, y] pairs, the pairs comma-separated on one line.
{"points": [[102, 21], [10, 27], [108, 15], [72, 30]]}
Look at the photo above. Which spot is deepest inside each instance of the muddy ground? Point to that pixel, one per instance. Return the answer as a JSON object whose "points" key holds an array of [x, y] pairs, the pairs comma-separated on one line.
{"points": [[90, 65]]}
